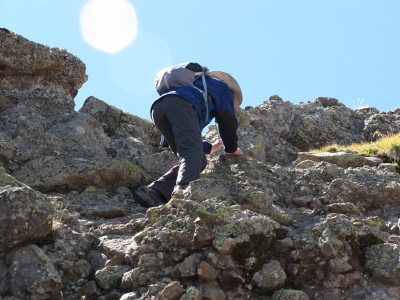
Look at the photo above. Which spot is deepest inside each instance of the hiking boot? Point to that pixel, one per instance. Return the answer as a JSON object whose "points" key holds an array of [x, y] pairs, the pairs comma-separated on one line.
{"points": [[148, 197], [181, 191]]}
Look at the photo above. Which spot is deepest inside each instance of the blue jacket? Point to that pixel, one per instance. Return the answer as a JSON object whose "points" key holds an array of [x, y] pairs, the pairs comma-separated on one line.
{"points": [[220, 107]]}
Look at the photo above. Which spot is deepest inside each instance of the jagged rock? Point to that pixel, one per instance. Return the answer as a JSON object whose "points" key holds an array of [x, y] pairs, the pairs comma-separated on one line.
{"points": [[337, 265], [378, 126], [202, 237], [33, 276], [117, 248], [156, 164], [188, 268], [343, 208], [388, 167], [26, 215], [319, 222], [243, 224], [172, 291], [110, 277], [276, 130], [77, 174], [275, 97], [117, 123], [383, 262], [327, 101], [367, 110], [96, 259], [31, 70], [48, 136], [206, 272], [341, 159], [270, 278], [149, 260], [108, 116], [347, 190]]}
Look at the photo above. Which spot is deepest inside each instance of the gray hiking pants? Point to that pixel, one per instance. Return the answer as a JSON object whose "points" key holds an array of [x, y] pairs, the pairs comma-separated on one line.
{"points": [[177, 121]]}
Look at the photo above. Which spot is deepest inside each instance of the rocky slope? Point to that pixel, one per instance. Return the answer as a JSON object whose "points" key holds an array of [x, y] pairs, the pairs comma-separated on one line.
{"points": [[277, 223]]}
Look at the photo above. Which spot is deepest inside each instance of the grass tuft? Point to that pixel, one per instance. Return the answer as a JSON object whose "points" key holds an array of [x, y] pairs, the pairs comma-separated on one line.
{"points": [[388, 146]]}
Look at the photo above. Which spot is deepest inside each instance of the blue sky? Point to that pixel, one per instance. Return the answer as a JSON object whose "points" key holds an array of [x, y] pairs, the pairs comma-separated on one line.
{"points": [[297, 49]]}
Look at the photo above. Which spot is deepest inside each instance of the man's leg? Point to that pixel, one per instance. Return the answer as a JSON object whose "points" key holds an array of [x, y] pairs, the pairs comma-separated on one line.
{"points": [[177, 121]]}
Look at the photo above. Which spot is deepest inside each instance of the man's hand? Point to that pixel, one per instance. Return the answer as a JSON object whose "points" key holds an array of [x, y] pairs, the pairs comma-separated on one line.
{"points": [[218, 144]]}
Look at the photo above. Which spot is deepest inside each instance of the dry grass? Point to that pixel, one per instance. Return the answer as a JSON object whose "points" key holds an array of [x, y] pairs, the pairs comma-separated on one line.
{"points": [[60, 210], [389, 146]]}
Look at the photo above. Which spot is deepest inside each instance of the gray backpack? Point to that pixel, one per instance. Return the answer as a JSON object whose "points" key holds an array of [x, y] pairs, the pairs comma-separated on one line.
{"points": [[183, 74]]}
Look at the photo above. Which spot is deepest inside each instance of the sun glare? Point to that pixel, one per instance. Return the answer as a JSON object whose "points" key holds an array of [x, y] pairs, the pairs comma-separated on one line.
{"points": [[108, 25]]}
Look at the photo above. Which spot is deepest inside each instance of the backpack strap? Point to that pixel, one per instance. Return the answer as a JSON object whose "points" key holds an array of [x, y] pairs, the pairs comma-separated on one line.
{"points": [[201, 71], [205, 93]]}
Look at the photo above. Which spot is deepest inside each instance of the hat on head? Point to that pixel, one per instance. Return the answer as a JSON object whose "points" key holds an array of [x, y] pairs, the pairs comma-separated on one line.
{"points": [[232, 83]]}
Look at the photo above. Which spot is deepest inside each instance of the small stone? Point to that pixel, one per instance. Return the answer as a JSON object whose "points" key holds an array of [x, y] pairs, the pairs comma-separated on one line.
{"points": [[202, 237], [171, 291], [270, 278], [206, 272], [339, 266]]}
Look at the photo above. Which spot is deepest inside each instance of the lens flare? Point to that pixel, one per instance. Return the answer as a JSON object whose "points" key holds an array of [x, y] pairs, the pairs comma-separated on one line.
{"points": [[108, 25]]}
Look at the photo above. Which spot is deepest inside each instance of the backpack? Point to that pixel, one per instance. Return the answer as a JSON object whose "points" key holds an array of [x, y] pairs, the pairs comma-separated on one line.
{"points": [[183, 74]]}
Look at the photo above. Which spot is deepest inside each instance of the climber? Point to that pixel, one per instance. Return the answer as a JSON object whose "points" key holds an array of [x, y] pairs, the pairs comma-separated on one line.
{"points": [[180, 115]]}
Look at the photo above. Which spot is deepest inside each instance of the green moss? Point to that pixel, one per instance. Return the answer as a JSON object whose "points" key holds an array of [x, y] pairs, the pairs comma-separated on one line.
{"points": [[153, 214], [213, 212], [141, 235], [255, 200], [7, 180], [375, 222], [277, 214], [349, 208]]}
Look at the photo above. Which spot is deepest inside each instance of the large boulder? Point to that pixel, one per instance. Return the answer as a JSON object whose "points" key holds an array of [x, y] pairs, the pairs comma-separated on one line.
{"points": [[26, 215], [33, 275], [31, 71]]}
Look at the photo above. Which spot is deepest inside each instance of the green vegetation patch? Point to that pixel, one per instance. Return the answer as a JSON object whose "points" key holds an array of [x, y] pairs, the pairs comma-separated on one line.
{"points": [[387, 148]]}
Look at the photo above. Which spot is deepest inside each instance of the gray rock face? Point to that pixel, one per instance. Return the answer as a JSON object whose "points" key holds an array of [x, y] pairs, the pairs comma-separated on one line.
{"points": [[26, 215], [340, 159], [383, 262], [32, 71], [33, 276], [278, 222]]}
